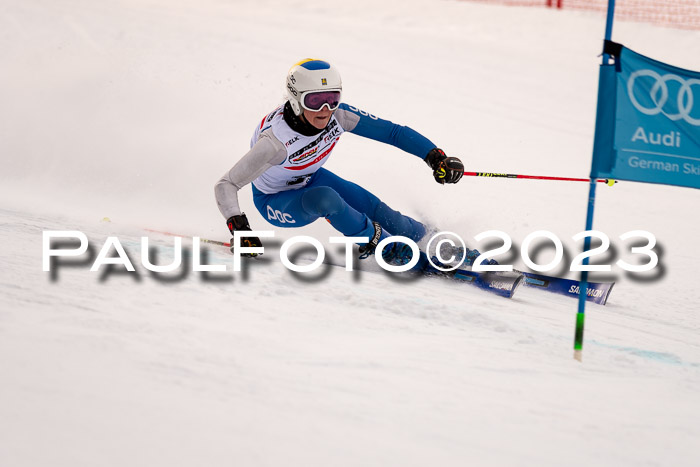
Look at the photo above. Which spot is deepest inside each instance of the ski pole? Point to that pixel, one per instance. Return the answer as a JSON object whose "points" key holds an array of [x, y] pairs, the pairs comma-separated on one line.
{"points": [[607, 181]]}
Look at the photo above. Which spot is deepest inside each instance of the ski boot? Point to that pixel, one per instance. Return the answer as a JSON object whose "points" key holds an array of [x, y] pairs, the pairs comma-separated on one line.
{"points": [[458, 252], [395, 254]]}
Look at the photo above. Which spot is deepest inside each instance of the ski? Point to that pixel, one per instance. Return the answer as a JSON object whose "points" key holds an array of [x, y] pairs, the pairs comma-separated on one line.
{"points": [[506, 283], [501, 283], [596, 292]]}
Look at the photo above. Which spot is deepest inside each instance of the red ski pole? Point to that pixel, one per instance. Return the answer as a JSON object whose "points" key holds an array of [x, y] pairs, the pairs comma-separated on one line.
{"points": [[607, 181]]}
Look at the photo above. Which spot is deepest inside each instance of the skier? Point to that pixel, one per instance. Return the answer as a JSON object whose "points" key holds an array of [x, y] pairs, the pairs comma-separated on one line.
{"points": [[290, 187]]}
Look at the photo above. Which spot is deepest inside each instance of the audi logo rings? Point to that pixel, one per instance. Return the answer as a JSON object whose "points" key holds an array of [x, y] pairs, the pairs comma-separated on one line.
{"points": [[659, 94]]}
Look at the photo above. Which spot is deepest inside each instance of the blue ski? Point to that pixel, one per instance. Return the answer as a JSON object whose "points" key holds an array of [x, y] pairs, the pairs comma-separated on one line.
{"points": [[501, 283], [506, 283], [596, 292]]}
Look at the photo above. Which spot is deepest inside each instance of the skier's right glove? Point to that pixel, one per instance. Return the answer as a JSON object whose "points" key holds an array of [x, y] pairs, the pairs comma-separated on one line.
{"points": [[445, 169], [241, 223]]}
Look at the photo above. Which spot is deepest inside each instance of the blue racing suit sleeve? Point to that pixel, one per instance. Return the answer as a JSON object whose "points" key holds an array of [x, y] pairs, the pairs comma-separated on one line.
{"points": [[364, 124]]}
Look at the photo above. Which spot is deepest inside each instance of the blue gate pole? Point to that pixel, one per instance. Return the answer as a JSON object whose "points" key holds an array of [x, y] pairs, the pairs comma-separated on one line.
{"points": [[583, 288]]}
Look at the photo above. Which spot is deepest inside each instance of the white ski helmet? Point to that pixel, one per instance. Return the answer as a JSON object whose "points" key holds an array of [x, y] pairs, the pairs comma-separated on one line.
{"points": [[311, 76]]}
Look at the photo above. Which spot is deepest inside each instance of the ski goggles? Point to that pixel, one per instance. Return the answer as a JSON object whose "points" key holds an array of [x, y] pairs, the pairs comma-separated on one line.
{"points": [[316, 100]]}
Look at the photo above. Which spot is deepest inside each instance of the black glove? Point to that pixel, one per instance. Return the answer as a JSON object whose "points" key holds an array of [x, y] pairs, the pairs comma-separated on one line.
{"points": [[445, 169], [241, 223]]}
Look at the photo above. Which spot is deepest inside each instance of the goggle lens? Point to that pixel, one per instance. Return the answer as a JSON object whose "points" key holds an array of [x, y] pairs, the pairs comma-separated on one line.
{"points": [[316, 100]]}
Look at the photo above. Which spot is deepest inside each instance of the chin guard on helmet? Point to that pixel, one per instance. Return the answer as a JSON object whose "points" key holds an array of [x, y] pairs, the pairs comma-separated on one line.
{"points": [[311, 76]]}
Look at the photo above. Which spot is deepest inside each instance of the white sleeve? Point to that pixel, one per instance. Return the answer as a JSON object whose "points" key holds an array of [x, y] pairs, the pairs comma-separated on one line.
{"points": [[266, 153]]}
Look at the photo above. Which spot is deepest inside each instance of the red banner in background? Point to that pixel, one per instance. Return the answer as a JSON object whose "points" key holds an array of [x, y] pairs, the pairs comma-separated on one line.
{"points": [[681, 14]]}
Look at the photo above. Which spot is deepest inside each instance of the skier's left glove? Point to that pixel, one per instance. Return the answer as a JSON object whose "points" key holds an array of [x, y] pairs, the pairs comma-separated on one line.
{"points": [[445, 169], [241, 223]]}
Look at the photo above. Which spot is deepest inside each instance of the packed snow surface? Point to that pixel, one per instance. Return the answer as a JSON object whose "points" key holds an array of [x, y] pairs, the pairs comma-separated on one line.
{"points": [[119, 116]]}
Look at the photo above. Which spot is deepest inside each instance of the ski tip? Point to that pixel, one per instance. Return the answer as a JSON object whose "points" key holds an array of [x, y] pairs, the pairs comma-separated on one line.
{"points": [[518, 281]]}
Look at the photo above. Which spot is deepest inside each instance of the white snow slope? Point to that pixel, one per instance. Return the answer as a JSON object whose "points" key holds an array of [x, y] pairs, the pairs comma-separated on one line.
{"points": [[133, 109]]}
